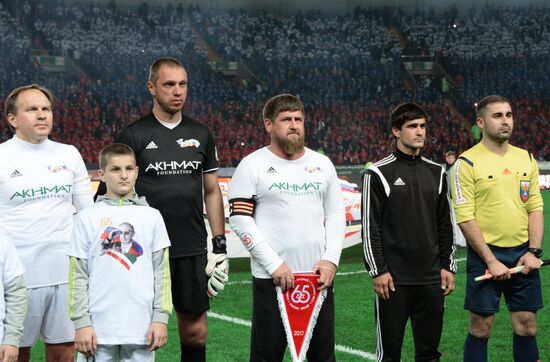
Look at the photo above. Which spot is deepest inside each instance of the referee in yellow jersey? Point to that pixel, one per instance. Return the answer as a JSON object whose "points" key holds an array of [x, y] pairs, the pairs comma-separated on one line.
{"points": [[498, 207]]}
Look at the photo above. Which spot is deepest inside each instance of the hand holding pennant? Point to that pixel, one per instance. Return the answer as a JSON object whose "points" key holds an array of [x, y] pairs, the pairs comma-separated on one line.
{"points": [[514, 270], [299, 309]]}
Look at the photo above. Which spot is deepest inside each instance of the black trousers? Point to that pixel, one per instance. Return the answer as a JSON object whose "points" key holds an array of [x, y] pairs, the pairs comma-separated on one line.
{"points": [[268, 339], [424, 305]]}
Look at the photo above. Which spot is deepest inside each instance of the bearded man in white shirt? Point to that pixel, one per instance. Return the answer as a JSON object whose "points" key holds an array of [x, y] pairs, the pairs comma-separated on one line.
{"points": [[287, 207]]}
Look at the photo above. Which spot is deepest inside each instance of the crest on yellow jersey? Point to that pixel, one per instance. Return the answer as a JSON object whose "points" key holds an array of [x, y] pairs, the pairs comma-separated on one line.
{"points": [[524, 187]]}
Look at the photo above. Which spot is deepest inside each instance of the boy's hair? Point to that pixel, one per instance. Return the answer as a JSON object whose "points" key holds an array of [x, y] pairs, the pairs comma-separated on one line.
{"points": [[282, 103], [450, 153], [406, 112], [482, 104], [11, 101], [154, 68], [116, 149]]}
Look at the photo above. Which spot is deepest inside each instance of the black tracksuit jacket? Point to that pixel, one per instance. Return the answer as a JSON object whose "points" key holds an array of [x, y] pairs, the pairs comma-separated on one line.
{"points": [[407, 229]]}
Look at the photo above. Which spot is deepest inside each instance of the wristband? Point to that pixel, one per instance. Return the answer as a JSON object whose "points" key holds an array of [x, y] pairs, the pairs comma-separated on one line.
{"points": [[219, 244]]}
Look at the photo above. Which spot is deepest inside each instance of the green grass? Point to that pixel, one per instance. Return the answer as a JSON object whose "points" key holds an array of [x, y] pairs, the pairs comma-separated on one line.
{"points": [[355, 326]]}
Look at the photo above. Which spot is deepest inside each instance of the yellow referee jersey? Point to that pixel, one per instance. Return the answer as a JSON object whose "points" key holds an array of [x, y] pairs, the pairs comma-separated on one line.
{"points": [[497, 191]]}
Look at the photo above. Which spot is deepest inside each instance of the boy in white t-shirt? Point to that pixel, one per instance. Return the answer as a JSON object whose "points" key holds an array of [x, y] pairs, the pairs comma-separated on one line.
{"points": [[119, 278], [13, 304]]}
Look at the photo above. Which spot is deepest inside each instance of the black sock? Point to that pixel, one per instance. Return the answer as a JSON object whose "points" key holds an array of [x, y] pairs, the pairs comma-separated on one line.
{"points": [[475, 349], [192, 354], [525, 349]]}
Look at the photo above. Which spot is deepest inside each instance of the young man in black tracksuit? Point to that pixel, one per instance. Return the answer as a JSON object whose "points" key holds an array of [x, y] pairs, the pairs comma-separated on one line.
{"points": [[408, 240]]}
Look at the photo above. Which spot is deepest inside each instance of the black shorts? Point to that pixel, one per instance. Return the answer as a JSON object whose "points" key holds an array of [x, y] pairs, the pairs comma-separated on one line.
{"points": [[521, 292], [189, 283]]}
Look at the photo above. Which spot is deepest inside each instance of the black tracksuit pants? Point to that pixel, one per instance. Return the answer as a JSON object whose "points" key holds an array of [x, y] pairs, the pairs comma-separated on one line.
{"points": [[424, 305]]}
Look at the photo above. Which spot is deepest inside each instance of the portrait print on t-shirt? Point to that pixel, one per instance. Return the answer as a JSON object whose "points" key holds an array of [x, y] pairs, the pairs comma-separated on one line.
{"points": [[118, 243]]}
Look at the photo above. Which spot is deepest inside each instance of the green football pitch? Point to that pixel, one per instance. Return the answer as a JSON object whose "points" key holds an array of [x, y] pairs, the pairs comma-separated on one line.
{"points": [[229, 317]]}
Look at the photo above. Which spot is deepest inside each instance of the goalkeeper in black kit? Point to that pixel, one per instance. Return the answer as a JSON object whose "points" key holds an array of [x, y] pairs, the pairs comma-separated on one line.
{"points": [[178, 167], [408, 240]]}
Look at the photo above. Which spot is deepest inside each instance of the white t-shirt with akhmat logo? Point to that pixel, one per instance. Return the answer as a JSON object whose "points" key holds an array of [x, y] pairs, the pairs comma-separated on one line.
{"points": [[39, 184], [299, 216]]}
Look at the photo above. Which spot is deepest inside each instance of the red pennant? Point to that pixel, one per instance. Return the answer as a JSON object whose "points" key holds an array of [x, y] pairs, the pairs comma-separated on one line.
{"points": [[299, 308]]}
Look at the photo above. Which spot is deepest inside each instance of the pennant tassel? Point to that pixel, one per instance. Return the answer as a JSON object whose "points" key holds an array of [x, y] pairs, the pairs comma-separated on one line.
{"points": [[286, 324], [312, 323]]}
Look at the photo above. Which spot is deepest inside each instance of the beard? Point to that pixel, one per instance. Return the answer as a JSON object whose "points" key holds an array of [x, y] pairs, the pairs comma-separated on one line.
{"points": [[291, 145]]}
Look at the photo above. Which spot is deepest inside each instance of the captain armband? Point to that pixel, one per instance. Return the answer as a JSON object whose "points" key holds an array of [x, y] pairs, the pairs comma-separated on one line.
{"points": [[242, 206]]}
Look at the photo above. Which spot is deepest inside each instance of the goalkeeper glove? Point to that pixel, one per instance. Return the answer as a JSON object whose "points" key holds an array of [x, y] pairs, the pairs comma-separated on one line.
{"points": [[217, 268]]}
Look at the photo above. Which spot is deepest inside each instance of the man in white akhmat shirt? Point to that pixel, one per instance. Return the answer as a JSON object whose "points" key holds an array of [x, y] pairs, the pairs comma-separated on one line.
{"points": [[287, 208], [41, 184]]}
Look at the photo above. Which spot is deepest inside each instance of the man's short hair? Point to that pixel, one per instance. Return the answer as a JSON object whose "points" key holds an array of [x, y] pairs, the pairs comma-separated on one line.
{"points": [[406, 112], [282, 103], [157, 64], [482, 104], [115, 149], [10, 107], [450, 153]]}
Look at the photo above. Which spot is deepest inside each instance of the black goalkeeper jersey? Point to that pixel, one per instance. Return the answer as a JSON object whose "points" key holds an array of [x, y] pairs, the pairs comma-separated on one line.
{"points": [[171, 165], [407, 228]]}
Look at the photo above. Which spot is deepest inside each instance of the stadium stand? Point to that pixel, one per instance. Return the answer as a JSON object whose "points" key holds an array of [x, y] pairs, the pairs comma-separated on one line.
{"points": [[346, 67]]}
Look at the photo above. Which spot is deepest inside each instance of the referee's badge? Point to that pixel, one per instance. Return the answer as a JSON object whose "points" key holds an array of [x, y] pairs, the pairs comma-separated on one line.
{"points": [[524, 187]]}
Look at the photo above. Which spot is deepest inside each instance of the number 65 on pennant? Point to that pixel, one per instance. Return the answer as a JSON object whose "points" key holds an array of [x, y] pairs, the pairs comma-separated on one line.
{"points": [[300, 294]]}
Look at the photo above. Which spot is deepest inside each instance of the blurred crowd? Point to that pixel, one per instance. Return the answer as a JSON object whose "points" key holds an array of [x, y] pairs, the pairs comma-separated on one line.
{"points": [[346, 68]]}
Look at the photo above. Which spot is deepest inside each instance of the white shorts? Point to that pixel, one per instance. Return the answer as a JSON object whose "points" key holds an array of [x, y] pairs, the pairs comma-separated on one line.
{"points": [[122, 353], [48, 316]]}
